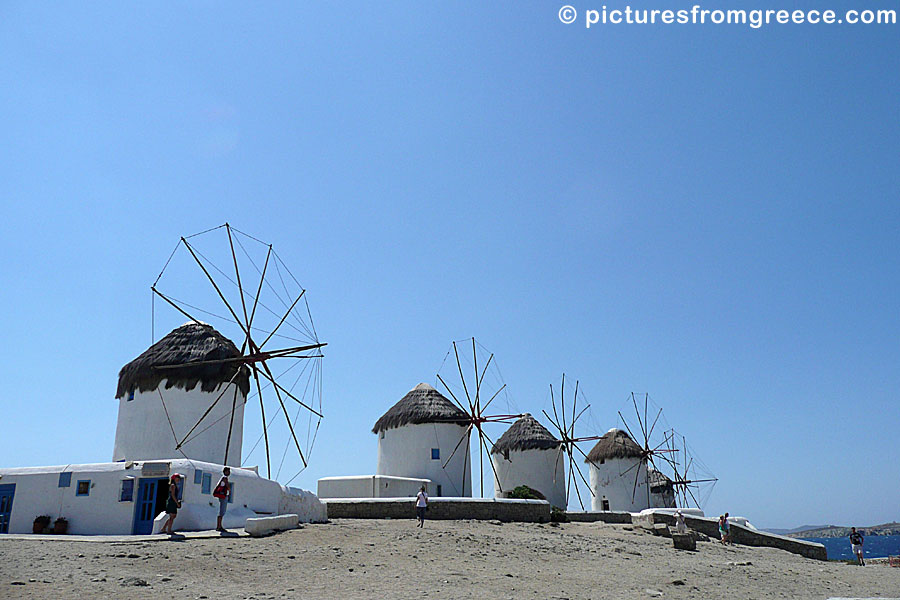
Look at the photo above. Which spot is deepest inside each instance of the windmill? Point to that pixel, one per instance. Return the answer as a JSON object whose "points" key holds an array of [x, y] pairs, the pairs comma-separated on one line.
{"points": [[208, 272], [470, 385], [693, 482], [651, 450], [565, 430], [665, 462]]}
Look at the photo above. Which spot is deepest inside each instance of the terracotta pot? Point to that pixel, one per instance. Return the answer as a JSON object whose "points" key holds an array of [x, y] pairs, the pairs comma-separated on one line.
{"points": [[40, 523], [60, 526]]}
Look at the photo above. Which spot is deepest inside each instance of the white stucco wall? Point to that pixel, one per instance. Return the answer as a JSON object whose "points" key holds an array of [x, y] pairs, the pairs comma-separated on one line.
{"points": [[542, 470], [611, 480], [406, 452], [372, 486], [143, 431], [101, 512]]}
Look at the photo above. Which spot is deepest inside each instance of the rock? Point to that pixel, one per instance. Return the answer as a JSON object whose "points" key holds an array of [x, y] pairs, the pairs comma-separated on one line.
{"points": [[661, 529], [700, 537], [495, 522], [16, 583], [135, 581], [684, 541], [678, 582], [653, 593], [133, 556]]}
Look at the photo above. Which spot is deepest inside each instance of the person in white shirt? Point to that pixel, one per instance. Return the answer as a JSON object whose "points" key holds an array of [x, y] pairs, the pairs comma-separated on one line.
{"points": [[421, 505], [680, 525]]}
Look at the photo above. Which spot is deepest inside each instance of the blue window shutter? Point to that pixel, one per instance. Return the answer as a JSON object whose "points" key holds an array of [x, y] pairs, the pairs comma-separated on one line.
{"points": [[127, 494], [435, 454], [65, 479], [83, 487]]}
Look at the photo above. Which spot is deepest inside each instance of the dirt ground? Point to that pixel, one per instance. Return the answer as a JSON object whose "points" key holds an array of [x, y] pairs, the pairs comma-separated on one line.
{"points": [[350, 558]]}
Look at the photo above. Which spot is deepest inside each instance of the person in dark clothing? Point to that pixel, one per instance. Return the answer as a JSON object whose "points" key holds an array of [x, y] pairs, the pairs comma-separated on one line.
{"points": [[172, 504], [856, 545]]}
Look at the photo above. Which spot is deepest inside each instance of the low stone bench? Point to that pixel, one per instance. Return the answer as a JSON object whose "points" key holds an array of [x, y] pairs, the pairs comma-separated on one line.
{"points": [[265, 525]]}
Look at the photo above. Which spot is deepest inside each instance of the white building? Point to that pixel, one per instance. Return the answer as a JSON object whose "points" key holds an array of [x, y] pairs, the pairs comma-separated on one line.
{"points": [[372, 486], [528, 454], [417, 438], [618, 474], [122, 498], [160, 400]]}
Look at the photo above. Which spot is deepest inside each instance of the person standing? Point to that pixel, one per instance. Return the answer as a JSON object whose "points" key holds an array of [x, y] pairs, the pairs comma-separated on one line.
{"points": [[856, 545], [172, 504], [724, 530], [421, 505], [223, 493], [680, 525]]}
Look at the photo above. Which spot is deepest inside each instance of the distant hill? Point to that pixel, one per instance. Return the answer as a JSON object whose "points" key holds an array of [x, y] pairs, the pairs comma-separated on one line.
{"points": [[795, 529], [835, 531]]}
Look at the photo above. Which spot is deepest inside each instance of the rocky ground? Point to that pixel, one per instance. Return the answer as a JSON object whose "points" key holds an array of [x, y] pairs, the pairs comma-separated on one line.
{"points": [[448, 559]]}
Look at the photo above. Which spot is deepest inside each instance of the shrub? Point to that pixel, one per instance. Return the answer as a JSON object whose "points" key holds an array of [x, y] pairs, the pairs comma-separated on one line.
{"points": [[523, 492]]}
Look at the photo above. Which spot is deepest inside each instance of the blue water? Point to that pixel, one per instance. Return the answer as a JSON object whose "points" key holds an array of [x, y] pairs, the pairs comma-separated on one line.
{"points": [[875, 546]]}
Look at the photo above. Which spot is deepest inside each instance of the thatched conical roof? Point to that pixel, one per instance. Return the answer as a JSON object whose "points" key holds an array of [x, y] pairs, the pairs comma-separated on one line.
{"points": [[192, 342], [423, 404], [614, 444], [525, 434]]}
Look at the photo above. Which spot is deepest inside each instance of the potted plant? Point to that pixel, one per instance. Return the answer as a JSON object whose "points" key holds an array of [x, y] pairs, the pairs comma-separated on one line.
{"points": [[40, 524], [60, 526]]}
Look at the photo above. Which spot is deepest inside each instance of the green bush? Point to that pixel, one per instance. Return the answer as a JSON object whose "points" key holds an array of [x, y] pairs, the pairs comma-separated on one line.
{"points": [[558, 515], [523, 492]]}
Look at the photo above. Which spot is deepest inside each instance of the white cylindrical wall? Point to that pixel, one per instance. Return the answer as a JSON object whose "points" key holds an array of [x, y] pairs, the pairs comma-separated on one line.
{"points": [[541, 470], [614, 480], [407, 452], [143, 431]]}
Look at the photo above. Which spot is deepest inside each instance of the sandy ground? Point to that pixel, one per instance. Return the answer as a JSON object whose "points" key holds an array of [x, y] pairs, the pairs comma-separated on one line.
{"points": [[351, 558]]}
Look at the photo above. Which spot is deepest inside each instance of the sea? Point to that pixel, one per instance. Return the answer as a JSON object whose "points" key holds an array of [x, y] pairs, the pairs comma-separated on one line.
{"points": [[875, 546]]}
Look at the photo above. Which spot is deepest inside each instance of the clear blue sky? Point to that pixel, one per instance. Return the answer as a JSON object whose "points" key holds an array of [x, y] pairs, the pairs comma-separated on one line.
{"points": [[707, 214]]}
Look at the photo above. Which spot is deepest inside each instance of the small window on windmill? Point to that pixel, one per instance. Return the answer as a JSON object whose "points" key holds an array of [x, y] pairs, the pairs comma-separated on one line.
{"points": [[207, 483], [65, 479], [382, 434], [83, 487], [439, 490], [198, 476], [131, 395], [231, 493], [435, 454], [604, 504], [127, 492]]}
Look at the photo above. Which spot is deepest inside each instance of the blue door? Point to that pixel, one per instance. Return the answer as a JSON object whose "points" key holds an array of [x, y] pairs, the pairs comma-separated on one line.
{"points": [[7, 491], [146, 505]]}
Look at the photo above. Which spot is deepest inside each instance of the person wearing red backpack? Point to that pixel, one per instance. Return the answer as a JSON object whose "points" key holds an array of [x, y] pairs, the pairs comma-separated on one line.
{"points": [[222, 492]]}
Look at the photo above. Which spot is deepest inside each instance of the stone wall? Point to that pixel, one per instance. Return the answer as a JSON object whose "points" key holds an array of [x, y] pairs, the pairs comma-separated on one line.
{"points": [[607, 516], [527, 511], [739, 534]]}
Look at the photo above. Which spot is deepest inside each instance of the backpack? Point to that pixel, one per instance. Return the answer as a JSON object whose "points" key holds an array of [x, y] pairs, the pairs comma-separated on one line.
{"points": [[221, 490]]}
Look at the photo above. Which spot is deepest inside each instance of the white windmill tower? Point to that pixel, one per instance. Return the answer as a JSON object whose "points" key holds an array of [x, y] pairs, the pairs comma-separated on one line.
{"points": [[417, 438], [528, 454], [164, 390]]}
